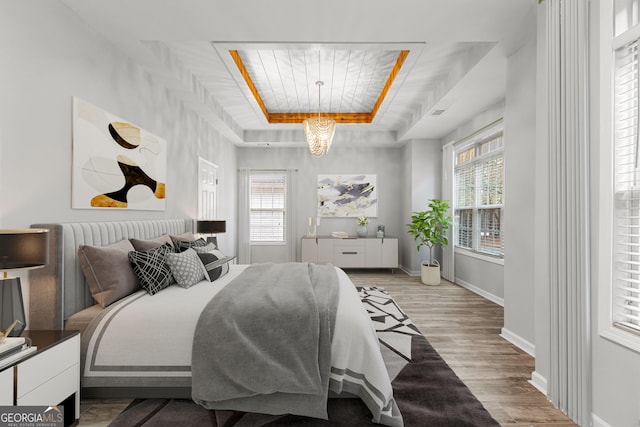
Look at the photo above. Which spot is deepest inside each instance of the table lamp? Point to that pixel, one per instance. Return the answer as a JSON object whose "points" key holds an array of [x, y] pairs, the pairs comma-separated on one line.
{"points": [[211, 227], [20, 249]]}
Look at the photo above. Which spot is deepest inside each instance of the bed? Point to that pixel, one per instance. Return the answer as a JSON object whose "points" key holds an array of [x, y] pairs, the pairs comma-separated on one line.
{"points": [[141, 343]]}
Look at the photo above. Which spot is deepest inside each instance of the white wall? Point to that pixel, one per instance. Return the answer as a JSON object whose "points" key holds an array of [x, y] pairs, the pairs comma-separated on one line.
{"points": [[424, 162], [50, 56], [541, 222], [386, 163], [520, 183], [481, 276]]}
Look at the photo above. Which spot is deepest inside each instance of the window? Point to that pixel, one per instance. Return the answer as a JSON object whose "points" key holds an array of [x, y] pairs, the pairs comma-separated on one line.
{"points": [[267, 207], [479, 189], [619, 212], [626, 249]]}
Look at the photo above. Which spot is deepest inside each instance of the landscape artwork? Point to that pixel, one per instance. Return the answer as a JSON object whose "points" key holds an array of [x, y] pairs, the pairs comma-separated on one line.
{"points": [[116, 164], [347, 196]]}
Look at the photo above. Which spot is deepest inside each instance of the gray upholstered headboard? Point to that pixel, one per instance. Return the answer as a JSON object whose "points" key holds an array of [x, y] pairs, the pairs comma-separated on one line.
{"points": [[58, 290]]}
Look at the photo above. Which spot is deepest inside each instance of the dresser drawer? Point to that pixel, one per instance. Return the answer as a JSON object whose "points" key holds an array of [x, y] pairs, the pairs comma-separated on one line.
{"points": [[349, 253]]}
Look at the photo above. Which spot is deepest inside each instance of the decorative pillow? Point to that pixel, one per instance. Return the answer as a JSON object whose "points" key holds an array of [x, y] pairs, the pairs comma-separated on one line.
{"points": [[206, 248], [151, 268], [186, 268], [107, 271], [183, 245], [184, 237], [215, 264], [143, 245]]}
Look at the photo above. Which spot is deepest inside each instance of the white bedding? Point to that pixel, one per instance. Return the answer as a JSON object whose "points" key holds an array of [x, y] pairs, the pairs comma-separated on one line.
{"points": [[145, 340]]}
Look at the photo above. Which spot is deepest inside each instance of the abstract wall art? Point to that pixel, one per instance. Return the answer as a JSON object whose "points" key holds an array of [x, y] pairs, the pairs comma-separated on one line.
{"points": [[347, 196], [116, 165]]}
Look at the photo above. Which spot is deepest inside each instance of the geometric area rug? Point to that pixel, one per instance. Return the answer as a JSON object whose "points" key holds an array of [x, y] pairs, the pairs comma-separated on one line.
{"points": [[426, 389]]}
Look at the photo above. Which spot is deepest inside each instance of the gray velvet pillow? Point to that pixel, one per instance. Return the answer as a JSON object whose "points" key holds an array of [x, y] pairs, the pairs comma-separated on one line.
{"points": [[144, 245], [108, 272]]}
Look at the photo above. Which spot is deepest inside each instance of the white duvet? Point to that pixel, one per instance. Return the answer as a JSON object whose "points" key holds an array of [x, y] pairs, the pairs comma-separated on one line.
{"points": [[146, 341]]}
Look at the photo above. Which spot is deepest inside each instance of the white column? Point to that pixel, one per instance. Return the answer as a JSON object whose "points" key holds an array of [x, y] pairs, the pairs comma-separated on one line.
{"points": [[569, 382]]}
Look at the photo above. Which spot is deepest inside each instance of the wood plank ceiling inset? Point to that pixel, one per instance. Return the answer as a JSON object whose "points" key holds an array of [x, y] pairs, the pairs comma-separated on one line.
{"points": [[283, 82]]}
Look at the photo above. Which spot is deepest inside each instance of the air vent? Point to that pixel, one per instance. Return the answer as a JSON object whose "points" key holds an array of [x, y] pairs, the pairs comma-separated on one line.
{"points": [[437, 112]]}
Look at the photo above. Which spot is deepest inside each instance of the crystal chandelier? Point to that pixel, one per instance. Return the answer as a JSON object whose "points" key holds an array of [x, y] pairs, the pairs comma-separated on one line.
{"points": [[319, 131]]}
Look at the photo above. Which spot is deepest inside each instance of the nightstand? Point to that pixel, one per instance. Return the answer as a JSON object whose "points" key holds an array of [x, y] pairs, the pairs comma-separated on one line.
{"points": [[48, 377]]}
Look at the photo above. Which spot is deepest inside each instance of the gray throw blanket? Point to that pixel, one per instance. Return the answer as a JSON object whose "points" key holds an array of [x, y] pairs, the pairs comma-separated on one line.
{"points": [[263, 343]]}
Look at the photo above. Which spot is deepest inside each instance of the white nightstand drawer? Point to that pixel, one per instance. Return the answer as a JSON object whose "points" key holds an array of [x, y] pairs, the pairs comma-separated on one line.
{"points": [[47, 365], [6, 387], [54, 390]]}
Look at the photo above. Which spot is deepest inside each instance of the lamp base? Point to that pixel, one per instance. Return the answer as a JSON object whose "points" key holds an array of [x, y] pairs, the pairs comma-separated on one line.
{"points": [[12, 306], [213, 239]]}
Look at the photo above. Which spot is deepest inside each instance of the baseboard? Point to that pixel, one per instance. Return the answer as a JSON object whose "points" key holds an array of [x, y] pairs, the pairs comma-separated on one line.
{"points": [[539, 382], [481, 292], [410, 272], [466, 285], [519, 342], [598, 422]]}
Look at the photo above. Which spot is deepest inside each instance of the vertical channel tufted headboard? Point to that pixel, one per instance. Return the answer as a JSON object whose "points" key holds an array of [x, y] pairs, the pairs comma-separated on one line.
{"points": [[58, 290]]}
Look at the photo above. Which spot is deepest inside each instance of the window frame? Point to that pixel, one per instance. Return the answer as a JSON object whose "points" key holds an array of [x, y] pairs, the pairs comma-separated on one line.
{"points": [[608, 46], [474, 159], [281, 175]]}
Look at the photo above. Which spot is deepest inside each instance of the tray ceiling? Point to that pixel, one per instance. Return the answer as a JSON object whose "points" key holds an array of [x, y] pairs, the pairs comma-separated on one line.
{"points": [[354, 82], [418, 69]]}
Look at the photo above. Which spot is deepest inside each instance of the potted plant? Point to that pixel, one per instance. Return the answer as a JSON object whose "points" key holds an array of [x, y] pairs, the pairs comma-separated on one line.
{"points": [[429, 228], [362, 221]]}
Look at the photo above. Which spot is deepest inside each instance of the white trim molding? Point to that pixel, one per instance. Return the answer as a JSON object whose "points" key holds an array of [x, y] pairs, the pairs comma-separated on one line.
{"points": [[519, 342], [539, 382], [596, 421], [481, 292]]}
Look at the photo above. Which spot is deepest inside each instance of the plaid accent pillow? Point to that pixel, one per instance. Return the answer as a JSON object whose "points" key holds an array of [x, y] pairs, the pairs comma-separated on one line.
{"points": [[215, 263], [202, 249], [151, 268], [186, 268], [183, 245]]}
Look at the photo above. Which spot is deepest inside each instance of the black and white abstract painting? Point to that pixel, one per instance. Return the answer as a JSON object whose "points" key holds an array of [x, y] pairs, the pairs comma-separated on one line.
{"points": [[347, 196], [116, 164]]}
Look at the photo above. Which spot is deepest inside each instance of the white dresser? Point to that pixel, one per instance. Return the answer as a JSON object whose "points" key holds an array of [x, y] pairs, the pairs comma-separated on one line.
{"points": [[369, 252]]}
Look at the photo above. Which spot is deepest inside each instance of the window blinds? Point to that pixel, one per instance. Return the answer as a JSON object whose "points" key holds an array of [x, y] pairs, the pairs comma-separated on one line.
{"points": [[491, 172], [267, 208], [479, 190], [465, 201], [626, 289]]}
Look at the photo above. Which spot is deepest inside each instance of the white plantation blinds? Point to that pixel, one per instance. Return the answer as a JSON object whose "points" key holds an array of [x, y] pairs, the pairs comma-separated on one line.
{"points": [[465, 202], [490, 206], [626, 292], [267, 207], [479, 189]]}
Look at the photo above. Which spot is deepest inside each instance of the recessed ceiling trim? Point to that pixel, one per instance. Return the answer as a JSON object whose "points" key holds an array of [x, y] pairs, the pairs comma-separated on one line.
{"points": [[392, 76], [298, 117], [247, 78]]}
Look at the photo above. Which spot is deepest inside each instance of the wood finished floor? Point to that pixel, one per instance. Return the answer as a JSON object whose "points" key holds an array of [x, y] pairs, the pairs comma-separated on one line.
{"points": [[464, 328]]}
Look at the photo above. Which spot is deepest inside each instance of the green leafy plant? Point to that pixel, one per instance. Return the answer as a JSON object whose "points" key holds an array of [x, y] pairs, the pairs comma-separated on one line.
{"points": [[429, 228], [362, 220]]}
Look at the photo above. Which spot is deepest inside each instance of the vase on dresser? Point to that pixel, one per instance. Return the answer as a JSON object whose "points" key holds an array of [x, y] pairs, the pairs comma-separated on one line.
{"points": [[361, 230]]}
